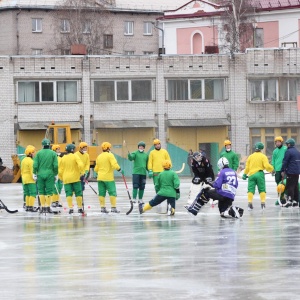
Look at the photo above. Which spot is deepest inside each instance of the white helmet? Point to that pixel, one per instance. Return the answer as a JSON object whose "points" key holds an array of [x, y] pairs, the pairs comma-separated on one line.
{"points": [[222, 162]]}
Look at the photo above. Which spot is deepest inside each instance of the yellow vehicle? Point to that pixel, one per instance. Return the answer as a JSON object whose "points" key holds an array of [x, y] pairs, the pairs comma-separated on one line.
{"points": [[61, 134], [58, 134]]}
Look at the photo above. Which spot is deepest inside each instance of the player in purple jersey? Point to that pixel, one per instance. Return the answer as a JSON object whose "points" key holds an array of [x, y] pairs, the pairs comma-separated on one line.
{"points": [[224, 190]]}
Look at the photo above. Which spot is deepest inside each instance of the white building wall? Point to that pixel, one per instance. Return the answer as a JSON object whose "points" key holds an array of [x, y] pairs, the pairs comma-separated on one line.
{"points": [[238, 109]]}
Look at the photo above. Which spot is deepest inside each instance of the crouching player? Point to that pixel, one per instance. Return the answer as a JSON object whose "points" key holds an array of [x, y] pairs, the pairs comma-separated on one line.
{"points": [[167, 187], [224, 190]]}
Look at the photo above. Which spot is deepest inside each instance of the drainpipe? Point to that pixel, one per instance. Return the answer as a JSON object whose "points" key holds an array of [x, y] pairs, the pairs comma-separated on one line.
{"points": [[17, 33]]}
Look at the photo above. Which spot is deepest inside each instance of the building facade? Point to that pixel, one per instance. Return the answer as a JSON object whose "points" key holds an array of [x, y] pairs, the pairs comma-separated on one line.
{"points": [[188, 102]]}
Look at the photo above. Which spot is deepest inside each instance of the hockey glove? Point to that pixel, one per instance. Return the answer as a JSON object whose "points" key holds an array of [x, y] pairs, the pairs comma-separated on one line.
{"points": [[196, 180], [208, 179], [150, 173], [34, 177], [244, 176], [86, 174], [121, 171]]}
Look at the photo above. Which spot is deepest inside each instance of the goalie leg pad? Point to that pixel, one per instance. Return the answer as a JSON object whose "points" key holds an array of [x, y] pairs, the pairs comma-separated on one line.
{"points": [[194, 207], [233, 212]]}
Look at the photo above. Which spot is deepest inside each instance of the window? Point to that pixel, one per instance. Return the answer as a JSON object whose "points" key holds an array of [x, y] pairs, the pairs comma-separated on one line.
{"points": [[264, 90], [128, 52], [148, 28], [288, 89], [36, 25], [148, 52], [123, 90], [87, 26], [108, 41], [267, 136], [65, 52], [47, 91], [259, 37], [65, 26], [128, 28], [276, 89], [37, 51], [196, 89]]}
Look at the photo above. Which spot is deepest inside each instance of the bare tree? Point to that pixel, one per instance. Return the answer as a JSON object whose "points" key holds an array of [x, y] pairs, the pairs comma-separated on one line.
{"points": [[238, 19], [87, 22]]}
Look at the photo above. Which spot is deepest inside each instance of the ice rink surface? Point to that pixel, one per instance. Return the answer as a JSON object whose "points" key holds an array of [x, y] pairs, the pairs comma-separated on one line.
{"points": [[150, 256]]}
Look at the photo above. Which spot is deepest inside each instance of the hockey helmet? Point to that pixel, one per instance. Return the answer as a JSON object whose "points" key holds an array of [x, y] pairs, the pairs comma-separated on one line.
{"points": [[70, 148], [83, 145], [46, 142], [156, 141], [280, 188], [29, 150], [227, 142], [55, 147], [106, 146], [141, 143], [197, 156], [259, 146], [222, 162], [278, 139], [167, 164], [290, 142]]}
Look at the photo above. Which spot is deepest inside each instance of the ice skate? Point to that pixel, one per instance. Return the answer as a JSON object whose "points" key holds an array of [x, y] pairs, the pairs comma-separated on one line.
{"points": [[114, 210], [71, 211], [104, 210], [287, 204], [295, 203], [141, 207], [250, 206], [171, 210], [80, 211], [263, 206]]}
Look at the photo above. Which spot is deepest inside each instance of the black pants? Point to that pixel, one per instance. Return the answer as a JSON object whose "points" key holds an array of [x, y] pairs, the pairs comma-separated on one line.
{"points": [[224, 202], [292, 187]]}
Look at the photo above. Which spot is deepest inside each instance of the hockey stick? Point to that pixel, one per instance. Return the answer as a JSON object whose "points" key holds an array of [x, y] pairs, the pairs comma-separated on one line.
{"points": [[3, 206], [90, 186], [182, 168], [131, 203]]}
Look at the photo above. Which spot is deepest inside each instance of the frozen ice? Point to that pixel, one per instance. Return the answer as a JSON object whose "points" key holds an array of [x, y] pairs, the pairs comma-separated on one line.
{"points": [[150, 256]]}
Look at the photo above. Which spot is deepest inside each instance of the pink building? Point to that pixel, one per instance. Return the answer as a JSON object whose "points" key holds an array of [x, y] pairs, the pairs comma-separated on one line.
{"points": [[199, 27]]}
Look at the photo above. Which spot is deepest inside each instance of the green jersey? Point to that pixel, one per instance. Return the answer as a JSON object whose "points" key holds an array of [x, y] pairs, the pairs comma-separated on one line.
{"points": [[140, 162]]}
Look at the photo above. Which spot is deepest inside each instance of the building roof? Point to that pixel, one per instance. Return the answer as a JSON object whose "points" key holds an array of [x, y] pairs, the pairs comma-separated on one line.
{"points": [[151, 5]]}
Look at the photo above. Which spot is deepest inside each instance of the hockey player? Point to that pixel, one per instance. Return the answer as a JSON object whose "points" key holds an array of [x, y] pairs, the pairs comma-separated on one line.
{"points": [[202, 169], [224, 190], [55, 205], [277, 158], [281, 189], [156, 157], [106, 163], [167, 185], [70, 170], [45, 169], [85, 158], [291, 169], [230, 155], [29, 185], [256, 163], [139, 173]]}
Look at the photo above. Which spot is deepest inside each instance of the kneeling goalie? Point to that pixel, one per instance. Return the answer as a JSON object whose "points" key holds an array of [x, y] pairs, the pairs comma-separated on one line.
{"points": [[224, 190]]}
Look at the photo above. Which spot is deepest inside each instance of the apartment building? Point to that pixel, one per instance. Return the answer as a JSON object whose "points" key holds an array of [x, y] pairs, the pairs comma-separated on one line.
{"points": [[49, 27], [186, 101]]}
